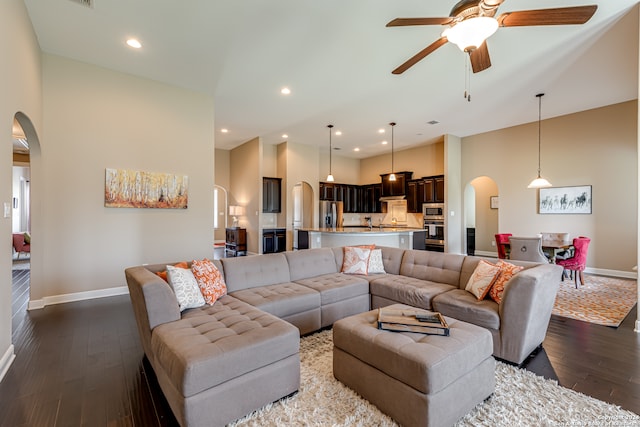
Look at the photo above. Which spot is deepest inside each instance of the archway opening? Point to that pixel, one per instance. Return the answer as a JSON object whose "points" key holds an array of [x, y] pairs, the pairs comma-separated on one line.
{"points": [[481, 208]]}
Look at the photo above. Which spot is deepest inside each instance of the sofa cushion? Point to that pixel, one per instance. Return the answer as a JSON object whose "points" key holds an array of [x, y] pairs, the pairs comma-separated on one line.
{"points": [[507, 271], [214, 344], [464, 306], [210, 280], [282, 299], [336, 287], [434, 266], [253, 271], [310, 263], [408, 290]]}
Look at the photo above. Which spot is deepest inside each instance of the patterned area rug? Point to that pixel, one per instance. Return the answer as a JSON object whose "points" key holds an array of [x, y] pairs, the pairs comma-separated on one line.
{"points": [[601, 300], [521, 398]]}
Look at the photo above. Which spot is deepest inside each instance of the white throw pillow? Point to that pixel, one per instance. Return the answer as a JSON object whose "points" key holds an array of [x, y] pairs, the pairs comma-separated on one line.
{"points": [[185, 286], [376, 266]]}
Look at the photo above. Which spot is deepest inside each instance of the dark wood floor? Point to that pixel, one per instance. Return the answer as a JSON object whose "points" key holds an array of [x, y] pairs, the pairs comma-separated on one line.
{"points": [[81, 364]]}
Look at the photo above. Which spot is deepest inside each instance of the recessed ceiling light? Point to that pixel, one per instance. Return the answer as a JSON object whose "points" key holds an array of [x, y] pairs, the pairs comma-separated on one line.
{"points": [[285, 91], [224, 130], [356, 149], [134, 43], [284, 135], [338, 132], [384, 142], [380, 130]]}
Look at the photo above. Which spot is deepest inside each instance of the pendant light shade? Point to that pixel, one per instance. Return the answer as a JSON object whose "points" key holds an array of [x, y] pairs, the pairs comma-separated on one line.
{"points": [[330, 176], [539, 182], [392, 177]]}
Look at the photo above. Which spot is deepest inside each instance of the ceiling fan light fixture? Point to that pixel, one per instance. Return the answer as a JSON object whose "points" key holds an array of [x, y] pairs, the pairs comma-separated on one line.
{"points": [[471, 33]]}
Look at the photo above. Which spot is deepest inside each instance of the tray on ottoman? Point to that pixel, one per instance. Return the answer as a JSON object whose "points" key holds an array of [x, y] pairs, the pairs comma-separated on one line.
{"points": [[416, 379]]}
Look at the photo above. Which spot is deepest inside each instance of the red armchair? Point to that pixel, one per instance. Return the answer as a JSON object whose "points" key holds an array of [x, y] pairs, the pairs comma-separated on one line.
{"points": [[20, 245], [501, 241], [578, 261]]}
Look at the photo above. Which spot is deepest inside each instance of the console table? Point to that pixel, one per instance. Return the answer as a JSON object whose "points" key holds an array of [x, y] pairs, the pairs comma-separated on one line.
{"points": [[236, 241]]}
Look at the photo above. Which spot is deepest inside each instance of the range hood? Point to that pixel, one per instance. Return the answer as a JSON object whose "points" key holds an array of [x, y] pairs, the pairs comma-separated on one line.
{"points": [[391, 198]]}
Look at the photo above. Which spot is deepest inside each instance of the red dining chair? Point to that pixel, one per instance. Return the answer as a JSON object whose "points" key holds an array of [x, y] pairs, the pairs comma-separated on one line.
{"points": [[578, 261], [501, 241]]}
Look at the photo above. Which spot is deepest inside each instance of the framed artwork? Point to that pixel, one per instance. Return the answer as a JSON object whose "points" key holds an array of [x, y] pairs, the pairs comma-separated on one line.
{"points": [[565, 200], [137, 189], [493, 202]]}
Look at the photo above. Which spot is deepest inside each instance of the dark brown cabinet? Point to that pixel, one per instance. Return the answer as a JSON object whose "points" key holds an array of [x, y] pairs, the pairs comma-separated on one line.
{"points": [[397, 187], [236, 241], [327, 191], [434, 189], [271, 201], [274, 240]]}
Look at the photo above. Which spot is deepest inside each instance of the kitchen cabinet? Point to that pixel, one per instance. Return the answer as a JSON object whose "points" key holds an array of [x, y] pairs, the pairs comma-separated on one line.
{"points": [[414, 196], [371, 198], [271, 200], [274, 240], [327, 191], [433, 189], [397, 187], [236, 241]]}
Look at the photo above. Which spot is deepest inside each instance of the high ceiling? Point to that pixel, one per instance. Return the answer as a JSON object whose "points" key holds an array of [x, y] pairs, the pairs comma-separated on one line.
{"points": [[336, 56]]}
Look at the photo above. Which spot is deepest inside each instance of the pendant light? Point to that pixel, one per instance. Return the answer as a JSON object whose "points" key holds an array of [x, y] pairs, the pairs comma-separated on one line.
{"points": [[392, 177], [539, 182], [330, 176]]}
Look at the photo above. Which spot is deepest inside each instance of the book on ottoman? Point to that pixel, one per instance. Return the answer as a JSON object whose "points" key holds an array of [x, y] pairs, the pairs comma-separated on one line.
{"points": [[412, 320]]}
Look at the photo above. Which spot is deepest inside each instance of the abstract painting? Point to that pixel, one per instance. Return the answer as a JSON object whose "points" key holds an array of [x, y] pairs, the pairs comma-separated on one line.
{"points": [[137, 189]]}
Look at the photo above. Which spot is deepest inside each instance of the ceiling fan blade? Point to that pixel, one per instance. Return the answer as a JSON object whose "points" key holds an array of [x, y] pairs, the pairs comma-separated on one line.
{"points": [[403, 22], [559, 16], [480, 58], [420, 55]]}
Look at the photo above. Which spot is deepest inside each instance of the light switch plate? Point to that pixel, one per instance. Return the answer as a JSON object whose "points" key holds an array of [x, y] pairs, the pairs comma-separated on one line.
{"points": [[7, 210]]}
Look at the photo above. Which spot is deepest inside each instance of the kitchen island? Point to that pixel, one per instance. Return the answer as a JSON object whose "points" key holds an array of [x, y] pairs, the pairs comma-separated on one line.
{"points": [[396, 237]]}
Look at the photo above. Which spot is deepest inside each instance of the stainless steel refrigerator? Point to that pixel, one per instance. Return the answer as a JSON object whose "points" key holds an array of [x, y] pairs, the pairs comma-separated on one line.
{"points": [[330, 214]]}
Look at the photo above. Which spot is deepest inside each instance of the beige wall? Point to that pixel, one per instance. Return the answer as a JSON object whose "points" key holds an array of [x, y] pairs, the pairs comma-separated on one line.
{"points": [[21, 88], [424, 160], [246, 188], [345, 170], [113, 120], [596, 147]]}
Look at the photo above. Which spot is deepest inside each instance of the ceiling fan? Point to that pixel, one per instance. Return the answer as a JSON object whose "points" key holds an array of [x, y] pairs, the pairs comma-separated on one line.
{"points": [[471, 22]]}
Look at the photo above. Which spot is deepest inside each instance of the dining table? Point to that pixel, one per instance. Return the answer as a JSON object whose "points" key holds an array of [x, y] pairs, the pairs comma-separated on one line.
{"points": [[551, 248]]}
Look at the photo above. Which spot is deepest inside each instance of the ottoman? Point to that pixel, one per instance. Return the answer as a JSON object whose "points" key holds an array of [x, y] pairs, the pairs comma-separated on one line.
{"points": [[416, 379]]}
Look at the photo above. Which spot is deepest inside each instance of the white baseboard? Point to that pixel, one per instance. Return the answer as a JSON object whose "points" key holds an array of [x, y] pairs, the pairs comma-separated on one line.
{"points": [[78, 296], [6, 361]]}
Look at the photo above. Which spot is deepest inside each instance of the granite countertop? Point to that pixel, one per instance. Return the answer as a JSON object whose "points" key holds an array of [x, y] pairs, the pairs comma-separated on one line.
{"points": [[356, 229]]}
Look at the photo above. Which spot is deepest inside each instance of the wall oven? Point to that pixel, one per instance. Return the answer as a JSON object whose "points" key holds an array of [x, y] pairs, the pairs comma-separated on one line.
{"points": [[433, 214]]}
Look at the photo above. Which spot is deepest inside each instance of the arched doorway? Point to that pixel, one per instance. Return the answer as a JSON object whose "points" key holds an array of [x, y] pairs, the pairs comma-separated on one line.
{"points": [[302, 196], [26, 149], [480, 216]]}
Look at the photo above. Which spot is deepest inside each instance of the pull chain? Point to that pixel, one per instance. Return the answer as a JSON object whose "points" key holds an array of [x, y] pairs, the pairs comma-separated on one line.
{"points": [[467, 78]]}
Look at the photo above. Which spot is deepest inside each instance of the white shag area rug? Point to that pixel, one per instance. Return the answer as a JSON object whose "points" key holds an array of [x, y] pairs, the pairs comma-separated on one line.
{"points": [[521, 398]]}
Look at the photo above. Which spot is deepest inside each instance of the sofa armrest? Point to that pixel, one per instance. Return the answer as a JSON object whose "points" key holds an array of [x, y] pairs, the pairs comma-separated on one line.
{"points": [[153, 300], [526, 309]]}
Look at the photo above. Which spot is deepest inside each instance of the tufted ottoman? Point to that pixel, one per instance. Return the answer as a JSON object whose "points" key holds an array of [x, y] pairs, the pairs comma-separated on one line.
{"points": [[416, 379], [221, 362]]}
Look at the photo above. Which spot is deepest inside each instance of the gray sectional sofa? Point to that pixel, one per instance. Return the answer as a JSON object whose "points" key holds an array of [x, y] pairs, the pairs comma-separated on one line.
{"points": [[218, 363]]}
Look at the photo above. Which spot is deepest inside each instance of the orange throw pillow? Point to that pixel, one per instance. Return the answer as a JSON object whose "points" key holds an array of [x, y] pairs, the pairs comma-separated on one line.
{"points": [[209, 280], [163, 273], [507, 271]]}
